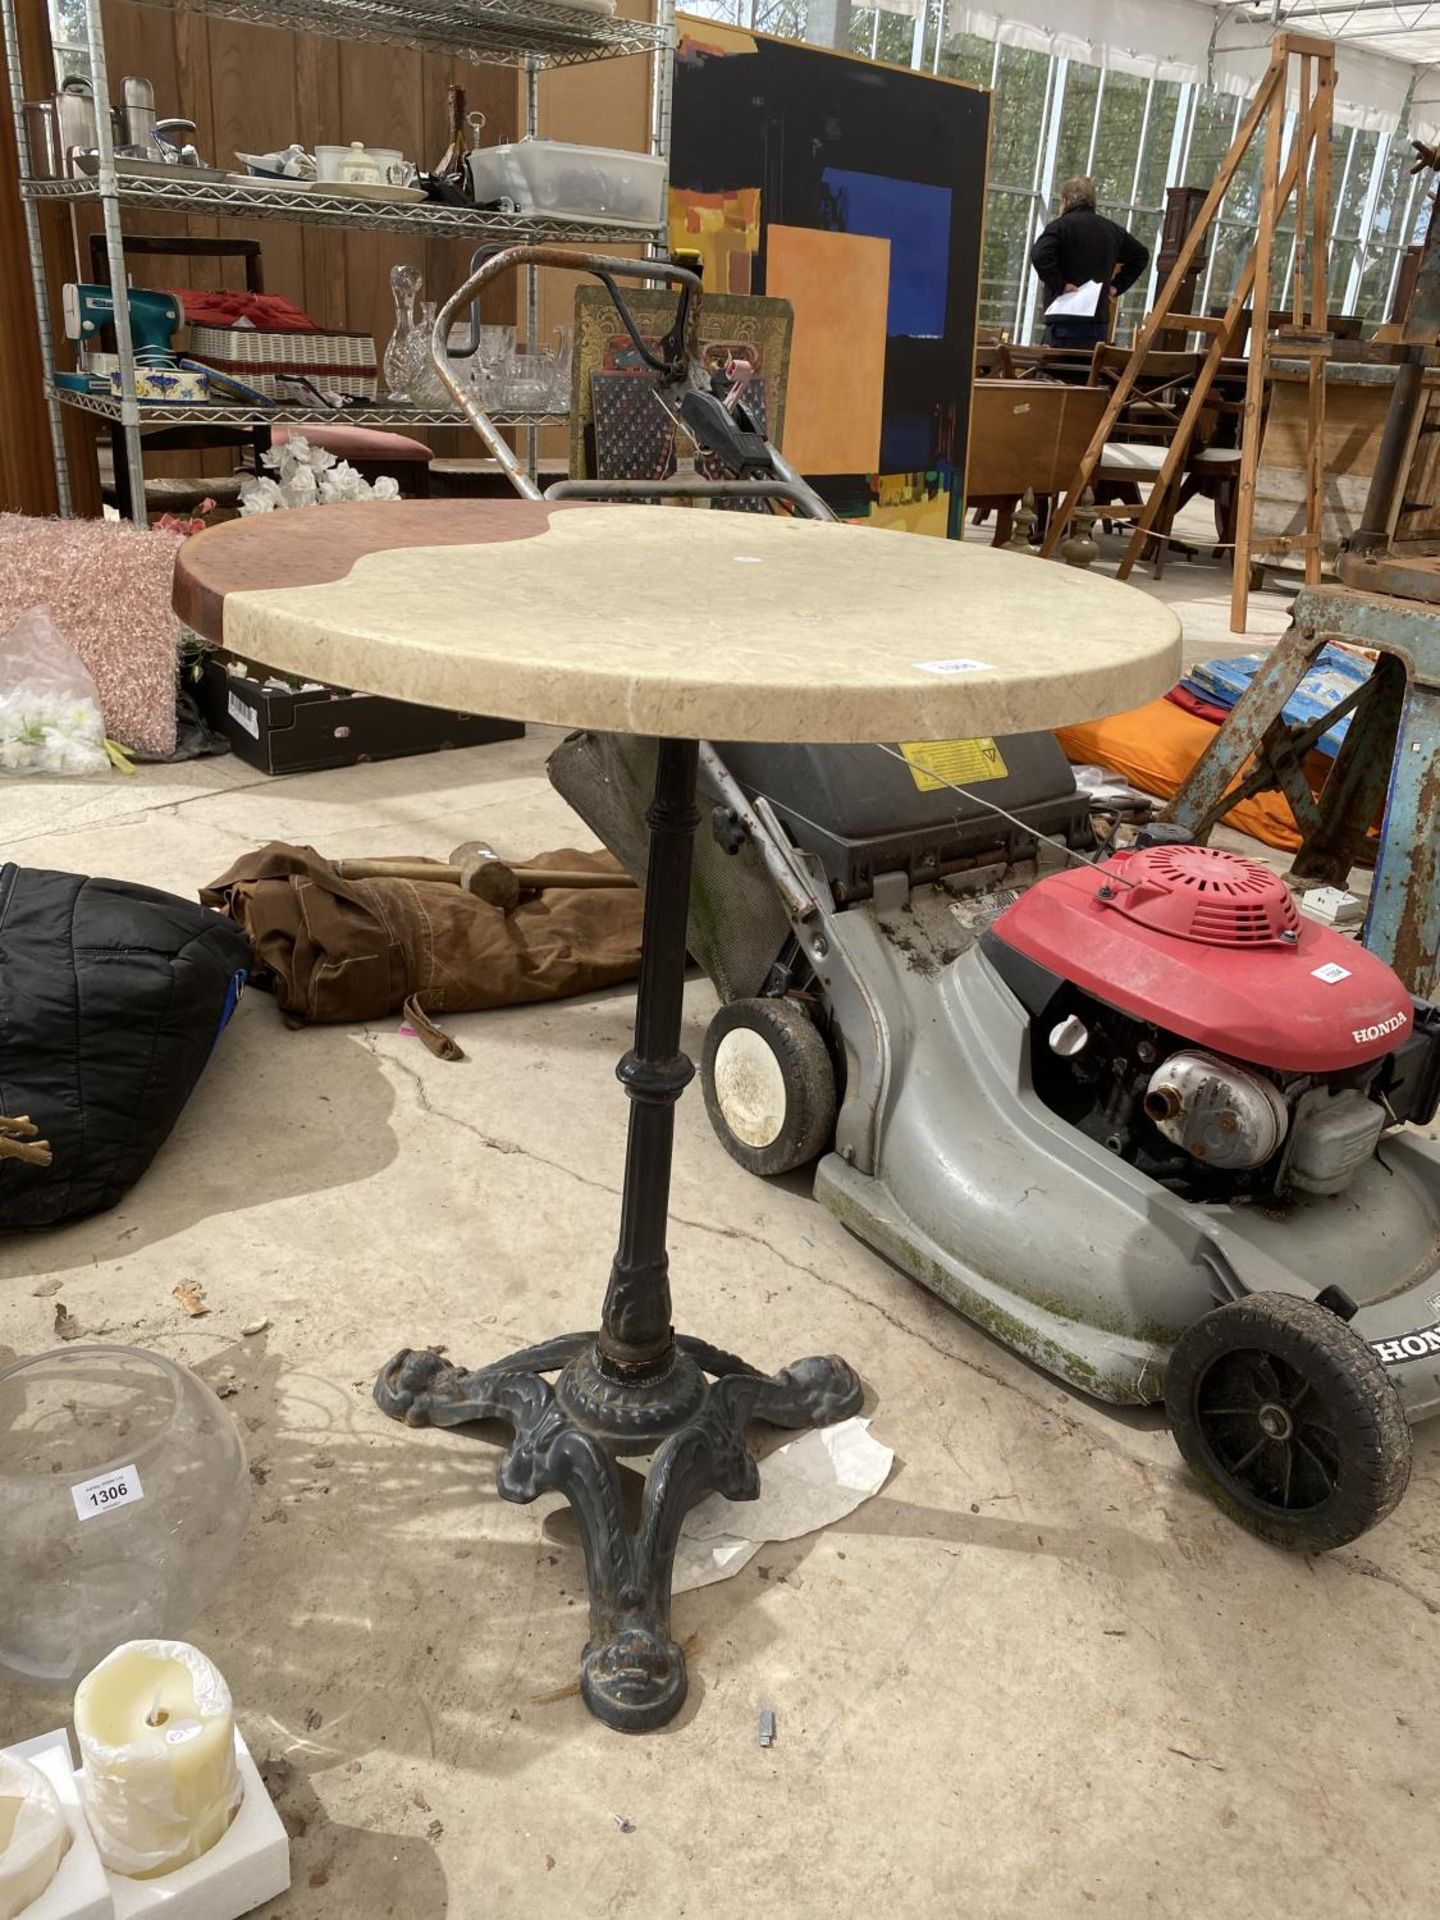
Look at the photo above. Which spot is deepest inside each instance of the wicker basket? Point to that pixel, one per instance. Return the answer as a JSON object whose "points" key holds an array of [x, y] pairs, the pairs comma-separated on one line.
{"points": [[344, 360]]}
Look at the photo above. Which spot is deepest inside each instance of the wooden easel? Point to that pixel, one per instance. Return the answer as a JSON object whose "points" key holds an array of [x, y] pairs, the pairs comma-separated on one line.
{"points": [[1316, 82]]}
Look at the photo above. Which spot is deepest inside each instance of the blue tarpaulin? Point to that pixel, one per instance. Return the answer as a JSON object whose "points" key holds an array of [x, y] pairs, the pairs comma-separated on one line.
{"points": [[1334, 675]]}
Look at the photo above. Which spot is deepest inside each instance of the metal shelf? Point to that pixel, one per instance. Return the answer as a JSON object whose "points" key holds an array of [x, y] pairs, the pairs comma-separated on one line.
{"points": [[496, 32], [527, 34], [224, 413], [245, 201]]}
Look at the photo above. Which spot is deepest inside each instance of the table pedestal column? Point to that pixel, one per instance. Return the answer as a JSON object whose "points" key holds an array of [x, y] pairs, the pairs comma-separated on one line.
{"points": [[634, 1387]]}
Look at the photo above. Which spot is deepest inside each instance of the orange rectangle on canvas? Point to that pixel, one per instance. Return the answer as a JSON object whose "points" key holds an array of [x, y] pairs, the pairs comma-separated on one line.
{"points": [[724, 229], [839, 286]]}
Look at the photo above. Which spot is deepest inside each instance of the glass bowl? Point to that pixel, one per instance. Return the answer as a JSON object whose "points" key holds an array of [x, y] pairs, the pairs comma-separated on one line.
{"points": [[496, 344], [525, 383], [124, 1494]]}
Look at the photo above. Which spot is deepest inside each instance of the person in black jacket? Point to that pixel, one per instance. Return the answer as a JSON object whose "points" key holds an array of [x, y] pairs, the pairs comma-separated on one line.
{"points": [[1079, 246]]}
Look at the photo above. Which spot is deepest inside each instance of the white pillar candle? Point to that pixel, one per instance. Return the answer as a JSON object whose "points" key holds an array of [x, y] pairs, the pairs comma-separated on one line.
{"points": [[34, 1838], [158, 1741]]}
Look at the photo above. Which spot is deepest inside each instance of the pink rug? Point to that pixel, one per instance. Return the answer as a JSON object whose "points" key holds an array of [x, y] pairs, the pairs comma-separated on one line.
{"points": [[107, 586]]}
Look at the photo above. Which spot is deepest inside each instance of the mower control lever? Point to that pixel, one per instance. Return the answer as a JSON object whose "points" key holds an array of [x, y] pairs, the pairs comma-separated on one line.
{"points": [[679, 349], [714, 427]]}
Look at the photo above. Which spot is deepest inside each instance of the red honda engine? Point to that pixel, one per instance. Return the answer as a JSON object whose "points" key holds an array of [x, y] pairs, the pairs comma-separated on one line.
{"points": [[1188, 1016]]}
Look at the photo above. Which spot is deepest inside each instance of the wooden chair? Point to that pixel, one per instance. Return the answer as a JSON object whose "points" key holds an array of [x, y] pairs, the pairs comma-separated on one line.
{"points": [[1143, 434], [1212, 469], [993, 360], [1068, 364]]}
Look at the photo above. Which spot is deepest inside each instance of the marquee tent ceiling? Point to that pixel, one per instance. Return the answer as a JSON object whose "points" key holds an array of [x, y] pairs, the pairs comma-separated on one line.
{"points": [[1388, 70], [1399, 32]]}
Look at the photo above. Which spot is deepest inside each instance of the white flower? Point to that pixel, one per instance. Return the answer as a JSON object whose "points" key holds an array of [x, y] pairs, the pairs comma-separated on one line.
{"points": [[308, 477], [47, 736], [344, 483], [300, 489], [259, 494], [76, 756]]}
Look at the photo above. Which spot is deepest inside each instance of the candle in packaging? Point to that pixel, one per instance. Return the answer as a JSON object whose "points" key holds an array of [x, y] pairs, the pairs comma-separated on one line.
{"points": [[34, 1838], [158, 1742]]}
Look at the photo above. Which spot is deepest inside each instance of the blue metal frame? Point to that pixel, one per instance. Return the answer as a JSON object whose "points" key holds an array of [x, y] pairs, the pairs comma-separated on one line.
{"points": [[1393, 748]]}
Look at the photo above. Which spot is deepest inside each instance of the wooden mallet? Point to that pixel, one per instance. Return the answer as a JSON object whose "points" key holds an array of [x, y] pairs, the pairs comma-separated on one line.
{"points": [[482, 874]]}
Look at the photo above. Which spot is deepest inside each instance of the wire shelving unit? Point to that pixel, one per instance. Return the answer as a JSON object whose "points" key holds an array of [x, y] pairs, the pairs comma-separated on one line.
{"points": [[528, 34]]}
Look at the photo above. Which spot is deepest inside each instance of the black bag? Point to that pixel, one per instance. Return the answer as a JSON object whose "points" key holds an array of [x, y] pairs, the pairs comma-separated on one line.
{"points": [[111, 999]]}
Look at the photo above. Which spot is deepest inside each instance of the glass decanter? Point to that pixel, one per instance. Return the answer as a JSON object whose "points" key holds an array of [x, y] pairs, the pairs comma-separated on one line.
{"points": [[424, 387], [405, 283]]}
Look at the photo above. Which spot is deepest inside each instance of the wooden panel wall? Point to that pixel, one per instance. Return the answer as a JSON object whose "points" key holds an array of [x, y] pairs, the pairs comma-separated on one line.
{"points": [[602, 106], [26, 485], [27, 475]]}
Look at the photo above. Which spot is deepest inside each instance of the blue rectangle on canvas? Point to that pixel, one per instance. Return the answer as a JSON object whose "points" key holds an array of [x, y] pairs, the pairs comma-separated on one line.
{"points": [[915, 219]]}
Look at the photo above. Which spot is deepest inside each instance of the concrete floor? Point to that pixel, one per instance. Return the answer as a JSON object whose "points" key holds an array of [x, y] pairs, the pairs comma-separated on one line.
{"points": [[1038, 1675]]}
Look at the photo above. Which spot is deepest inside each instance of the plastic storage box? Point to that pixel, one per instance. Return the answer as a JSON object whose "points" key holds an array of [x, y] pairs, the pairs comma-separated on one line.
{"points": [[551, 176]]}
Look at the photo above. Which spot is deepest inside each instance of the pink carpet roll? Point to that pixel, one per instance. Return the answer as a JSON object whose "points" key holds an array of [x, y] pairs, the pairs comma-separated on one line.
{"points": [[107, 584]]}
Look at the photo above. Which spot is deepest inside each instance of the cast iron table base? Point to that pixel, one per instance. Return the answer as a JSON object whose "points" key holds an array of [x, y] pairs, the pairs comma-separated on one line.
{"points": [[633, 1387]]}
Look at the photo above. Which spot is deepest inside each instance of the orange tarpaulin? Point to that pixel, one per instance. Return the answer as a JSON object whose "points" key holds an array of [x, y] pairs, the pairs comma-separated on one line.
{"points": [[1156, 746]]}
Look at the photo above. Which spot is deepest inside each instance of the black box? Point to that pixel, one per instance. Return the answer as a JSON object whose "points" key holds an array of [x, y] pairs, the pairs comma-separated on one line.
{"points": [[282, 729]]}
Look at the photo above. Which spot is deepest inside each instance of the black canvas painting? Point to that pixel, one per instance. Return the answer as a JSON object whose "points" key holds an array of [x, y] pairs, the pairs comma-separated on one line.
{"points": [[847, 158]]}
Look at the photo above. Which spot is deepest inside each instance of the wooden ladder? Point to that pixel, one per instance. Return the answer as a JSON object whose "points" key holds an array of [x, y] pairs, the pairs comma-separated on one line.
{"points": [[1316, 81]]}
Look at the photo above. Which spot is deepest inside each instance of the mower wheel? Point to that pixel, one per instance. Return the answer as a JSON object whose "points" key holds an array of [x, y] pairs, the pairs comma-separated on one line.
{"points": [[1288, 1420], [769, 1084]]}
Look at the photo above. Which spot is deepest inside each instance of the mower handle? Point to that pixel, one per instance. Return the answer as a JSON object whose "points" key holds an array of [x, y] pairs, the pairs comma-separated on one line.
{"points": [[793, 490], [606, 268]]}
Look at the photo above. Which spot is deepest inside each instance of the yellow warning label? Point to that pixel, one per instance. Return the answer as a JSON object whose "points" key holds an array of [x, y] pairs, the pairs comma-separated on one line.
{"points": [[965, 763]]}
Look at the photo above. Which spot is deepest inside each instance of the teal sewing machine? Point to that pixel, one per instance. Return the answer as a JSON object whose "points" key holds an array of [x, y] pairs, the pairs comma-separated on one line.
{"points": [[89, 309]]}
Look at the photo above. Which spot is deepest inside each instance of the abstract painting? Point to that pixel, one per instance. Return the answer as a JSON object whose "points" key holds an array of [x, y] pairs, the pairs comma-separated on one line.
{"points": [[839, 287], [914, 502], [908, 502], [773, 139], [724, 229], [915, 219]]}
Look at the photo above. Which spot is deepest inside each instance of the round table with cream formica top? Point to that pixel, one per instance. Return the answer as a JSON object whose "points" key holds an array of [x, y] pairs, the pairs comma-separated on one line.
{"points": [[682, 625]]}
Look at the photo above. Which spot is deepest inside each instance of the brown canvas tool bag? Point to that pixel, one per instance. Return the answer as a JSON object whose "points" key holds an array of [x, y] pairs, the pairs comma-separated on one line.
{"points": [[334, 949]]}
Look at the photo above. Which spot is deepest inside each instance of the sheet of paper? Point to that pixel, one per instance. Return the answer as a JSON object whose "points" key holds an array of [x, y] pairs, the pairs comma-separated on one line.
{"points": [[806, 1484], [1080, 305]]}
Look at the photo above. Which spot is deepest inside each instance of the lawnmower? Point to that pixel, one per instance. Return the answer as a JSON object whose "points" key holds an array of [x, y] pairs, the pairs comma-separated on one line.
{"points": [[1127, 1111]]}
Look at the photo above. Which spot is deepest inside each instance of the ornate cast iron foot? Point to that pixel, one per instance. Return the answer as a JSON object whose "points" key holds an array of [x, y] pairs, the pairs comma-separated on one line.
{"points": [[567, 1438]]}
